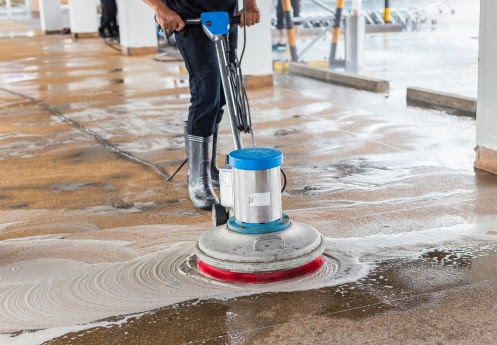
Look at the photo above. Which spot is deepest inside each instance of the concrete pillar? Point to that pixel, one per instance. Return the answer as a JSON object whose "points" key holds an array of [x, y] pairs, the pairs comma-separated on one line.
{"points": [[355, 32], [137, 28], [486, 119], [35, 5], [29, 5], [50, 16], [83, 18], [8, 7], [257, 64]]}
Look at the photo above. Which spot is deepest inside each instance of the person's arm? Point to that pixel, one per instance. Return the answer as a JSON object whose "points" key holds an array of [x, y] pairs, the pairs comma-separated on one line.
{"points": [[250, 15], [166, 18]]}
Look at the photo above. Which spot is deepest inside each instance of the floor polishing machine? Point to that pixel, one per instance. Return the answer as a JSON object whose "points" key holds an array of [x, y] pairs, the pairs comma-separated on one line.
{"points": [[253, 241]]}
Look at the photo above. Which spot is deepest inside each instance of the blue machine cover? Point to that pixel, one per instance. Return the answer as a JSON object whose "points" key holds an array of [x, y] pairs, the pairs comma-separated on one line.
{"points": [[255, 158], [218, 23]]}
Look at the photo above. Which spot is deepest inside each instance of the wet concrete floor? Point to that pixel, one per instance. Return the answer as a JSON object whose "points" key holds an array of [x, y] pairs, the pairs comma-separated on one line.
{"points": [[392, 188]]}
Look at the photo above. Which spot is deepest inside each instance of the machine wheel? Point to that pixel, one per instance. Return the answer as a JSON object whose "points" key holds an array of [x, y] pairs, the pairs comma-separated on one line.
{"points": [[219, 214]]}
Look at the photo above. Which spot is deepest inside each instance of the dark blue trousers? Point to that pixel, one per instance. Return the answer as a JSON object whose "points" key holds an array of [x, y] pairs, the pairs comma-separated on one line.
{"points": [[207, 95]]}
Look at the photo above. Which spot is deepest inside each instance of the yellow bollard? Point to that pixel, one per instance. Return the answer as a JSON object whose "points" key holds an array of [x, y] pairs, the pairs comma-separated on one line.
{"points": [[336, 31], [292, 38], [388, 19]]}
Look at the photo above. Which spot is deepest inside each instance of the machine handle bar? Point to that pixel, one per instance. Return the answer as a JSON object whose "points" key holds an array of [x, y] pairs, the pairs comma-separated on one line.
{"points": [[198, 21]]}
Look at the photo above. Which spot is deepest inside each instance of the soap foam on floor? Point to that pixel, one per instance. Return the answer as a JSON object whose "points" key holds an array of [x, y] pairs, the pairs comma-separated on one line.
{"points": [[56, 294]]}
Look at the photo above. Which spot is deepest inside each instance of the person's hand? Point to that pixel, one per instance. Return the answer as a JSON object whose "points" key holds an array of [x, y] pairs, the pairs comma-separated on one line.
{"points": [[249, 15], [168, 19]]}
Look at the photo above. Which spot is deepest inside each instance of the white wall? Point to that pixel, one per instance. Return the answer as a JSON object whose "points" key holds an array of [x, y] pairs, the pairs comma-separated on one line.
{"points": [[258, 59], [83, 16], [486, 128], [136, 24], [50, 15]]}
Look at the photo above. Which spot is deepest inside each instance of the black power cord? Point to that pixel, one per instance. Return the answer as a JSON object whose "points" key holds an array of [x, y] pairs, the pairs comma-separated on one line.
{"points": [[284, 180], [244, 119], [241, 99]]}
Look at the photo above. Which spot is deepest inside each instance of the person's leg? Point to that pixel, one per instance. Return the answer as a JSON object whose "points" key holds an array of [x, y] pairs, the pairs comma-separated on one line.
{"points": [[296, 14], [280, 26], [102, 16], [200, 57], [199, 54], [280, 16], [106, 15], [113, 18], [281, 37], [101, 29]]}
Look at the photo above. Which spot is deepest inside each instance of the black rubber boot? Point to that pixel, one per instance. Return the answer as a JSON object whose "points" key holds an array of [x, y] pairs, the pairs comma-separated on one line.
{"points": [[214, 168], [199, 168]]}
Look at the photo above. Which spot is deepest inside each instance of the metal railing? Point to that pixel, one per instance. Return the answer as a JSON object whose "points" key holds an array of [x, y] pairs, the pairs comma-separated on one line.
{"points": [[12, 7], [321, 14]]}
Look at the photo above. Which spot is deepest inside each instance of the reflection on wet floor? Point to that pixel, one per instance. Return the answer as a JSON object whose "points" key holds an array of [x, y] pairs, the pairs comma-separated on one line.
{"points": [[396, 285], [87, 235]]}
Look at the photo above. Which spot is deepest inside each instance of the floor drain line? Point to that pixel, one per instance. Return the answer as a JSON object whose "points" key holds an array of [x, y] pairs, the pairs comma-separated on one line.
{"points": [[94, 134]]}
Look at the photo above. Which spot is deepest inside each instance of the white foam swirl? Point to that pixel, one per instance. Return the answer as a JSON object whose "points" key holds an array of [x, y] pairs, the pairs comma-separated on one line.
{"points": [[54, 292]]}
